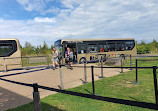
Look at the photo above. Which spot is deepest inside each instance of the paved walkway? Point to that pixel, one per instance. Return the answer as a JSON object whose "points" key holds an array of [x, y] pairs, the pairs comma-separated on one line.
{"points": [[13, 95]]}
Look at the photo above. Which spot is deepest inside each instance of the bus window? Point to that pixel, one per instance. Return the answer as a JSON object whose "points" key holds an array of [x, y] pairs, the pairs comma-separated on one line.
{"points": [[129, 45], [101, 48], [59, 48], [92, 48], [7, 48], [82, 48], [111, 46], [125, 45], [105, 48], [120, 47]]}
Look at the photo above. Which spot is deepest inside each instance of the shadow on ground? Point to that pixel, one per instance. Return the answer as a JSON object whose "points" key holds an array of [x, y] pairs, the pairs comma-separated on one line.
{"points": [[44, 106], [9, 99], [25, 72]]}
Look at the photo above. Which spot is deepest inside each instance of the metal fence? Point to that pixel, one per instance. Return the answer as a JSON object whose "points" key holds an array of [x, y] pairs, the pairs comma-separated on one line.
{"points": [[23, 62]]}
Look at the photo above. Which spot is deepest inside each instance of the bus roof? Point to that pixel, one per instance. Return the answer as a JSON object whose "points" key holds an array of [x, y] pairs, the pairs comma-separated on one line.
{"points": [[9, 39], [96, 39]]}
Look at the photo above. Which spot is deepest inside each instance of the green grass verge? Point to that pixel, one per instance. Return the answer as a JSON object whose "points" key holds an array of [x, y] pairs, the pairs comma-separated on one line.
{"points": [[119, 86]]}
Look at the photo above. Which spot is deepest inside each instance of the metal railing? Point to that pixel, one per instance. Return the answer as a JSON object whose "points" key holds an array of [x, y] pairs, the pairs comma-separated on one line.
{"points": [[26, 62]]}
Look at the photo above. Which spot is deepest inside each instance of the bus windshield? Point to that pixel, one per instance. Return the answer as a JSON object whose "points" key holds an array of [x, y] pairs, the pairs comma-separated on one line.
{"points": [[7, 47], [58, 47]]}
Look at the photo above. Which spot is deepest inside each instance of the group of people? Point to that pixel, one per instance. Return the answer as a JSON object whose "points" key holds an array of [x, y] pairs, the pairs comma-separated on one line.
{"points": [[68, 58]]}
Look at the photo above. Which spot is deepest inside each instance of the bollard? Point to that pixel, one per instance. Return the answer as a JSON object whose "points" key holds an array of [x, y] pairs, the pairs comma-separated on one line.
{"points": [[93, 87], [121, 64], [136, 73], [126, 59], [130, 62], [85, 73], [155, 84], [21, 60], [102, 76], [36, 98], [5, 66], [61, 77], [27, 63], [136, 70], [47, 63]]}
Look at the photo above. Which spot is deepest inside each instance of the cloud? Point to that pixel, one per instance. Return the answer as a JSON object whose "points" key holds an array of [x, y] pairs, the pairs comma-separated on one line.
{"points": [[48, 6], [46, 19], [38, 6], [70, 3], [86, 19], [31, 5]]}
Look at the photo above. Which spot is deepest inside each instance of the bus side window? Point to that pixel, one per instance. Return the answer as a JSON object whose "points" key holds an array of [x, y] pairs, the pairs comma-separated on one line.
{"points": [[129, 45], [105, 48], [92, 48], [82, 49], [120, 47], [111, 46]]}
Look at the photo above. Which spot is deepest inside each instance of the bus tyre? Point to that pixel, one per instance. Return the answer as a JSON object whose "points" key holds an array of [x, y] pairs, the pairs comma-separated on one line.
{"points": [[123, 56], [82, 60]]}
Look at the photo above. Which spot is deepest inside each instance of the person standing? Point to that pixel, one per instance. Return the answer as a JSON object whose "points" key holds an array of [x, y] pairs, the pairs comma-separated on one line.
{"points": [[69, 57], [54, 58]]}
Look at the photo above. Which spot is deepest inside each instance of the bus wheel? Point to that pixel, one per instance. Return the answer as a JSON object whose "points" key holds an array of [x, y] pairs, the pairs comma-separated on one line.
{"points": [[82, 60], [123, 56]]}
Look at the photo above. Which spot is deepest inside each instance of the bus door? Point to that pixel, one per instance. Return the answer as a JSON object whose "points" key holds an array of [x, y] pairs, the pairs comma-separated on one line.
{"points": [[72, 46]]}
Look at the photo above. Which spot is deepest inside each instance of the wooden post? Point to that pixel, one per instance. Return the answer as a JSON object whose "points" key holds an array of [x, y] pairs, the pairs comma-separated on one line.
{"points": [[61, 77], [5, 66], [85, 72], [36, 98]]}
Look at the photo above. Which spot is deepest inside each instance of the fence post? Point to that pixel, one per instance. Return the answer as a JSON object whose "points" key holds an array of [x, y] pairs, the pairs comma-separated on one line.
{"points": [[47, 63], [136, 73], [130, 62], [21, 61], [36, 98], [102, 76], [121, 64], [61, 77], [85, 73], [93, 87], [27, 63], [5, 66], [155, 84]]}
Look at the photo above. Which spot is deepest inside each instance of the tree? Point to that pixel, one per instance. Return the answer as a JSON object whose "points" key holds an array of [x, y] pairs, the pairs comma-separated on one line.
{"points": [[155, 43], [28, 45], [52, 47], [45, 46], [143, 42], [28, 49]]}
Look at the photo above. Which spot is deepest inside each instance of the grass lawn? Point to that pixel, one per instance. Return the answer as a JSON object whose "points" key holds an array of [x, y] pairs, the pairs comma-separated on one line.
{"points": [[119, 86]]}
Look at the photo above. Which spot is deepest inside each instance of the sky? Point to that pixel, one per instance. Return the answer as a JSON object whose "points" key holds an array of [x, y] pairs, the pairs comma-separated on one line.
{"points": [[36, 21]]}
